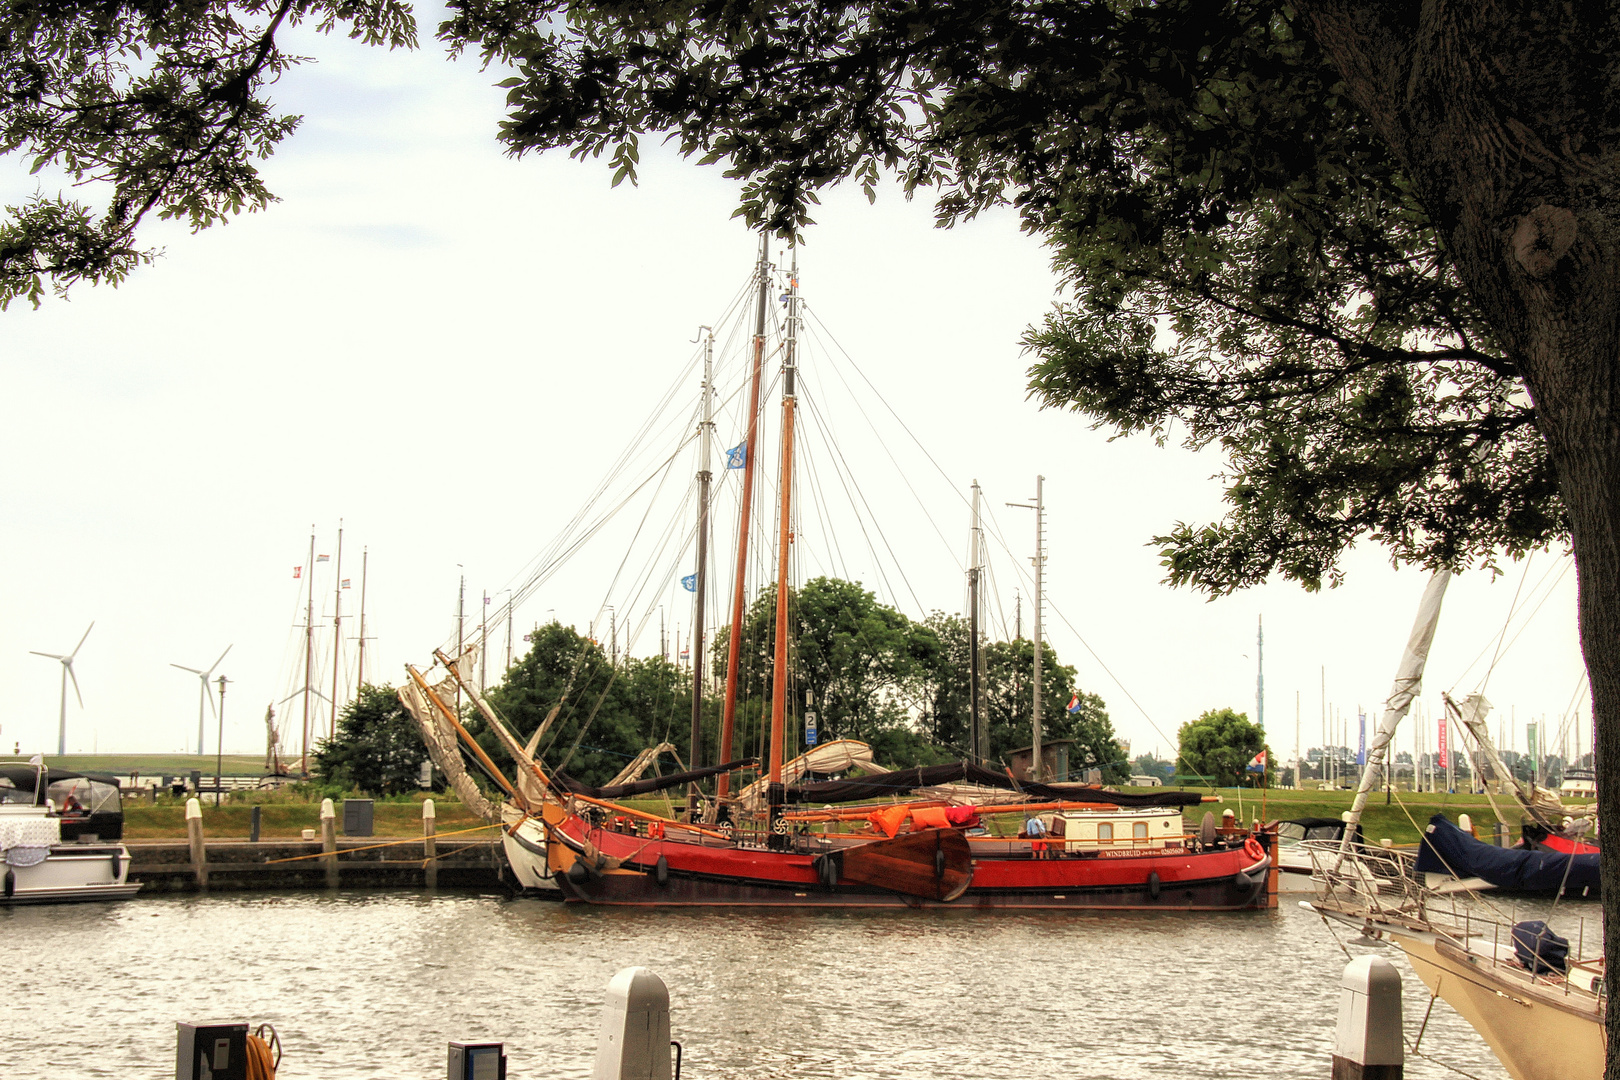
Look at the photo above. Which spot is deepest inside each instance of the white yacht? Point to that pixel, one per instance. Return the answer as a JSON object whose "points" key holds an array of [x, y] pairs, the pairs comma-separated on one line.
{"points": [[60, 836]]}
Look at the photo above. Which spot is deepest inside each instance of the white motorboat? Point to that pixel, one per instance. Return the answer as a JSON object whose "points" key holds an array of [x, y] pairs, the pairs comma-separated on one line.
{"points": [[60, 836]]}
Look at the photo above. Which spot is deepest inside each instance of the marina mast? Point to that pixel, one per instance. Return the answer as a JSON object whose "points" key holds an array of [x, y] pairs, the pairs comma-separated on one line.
{"points": [[337, 630], [1036, 771], [750, 445], [360, 666], [977, 749], [309, 650], [779, 669], [701, 575]]}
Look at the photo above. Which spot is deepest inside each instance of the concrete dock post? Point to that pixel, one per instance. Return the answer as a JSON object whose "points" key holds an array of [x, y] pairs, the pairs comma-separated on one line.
{"points": [[430, 845], [1367, 1045], [634, 1040], [257, 821], [329, 842], [199, 850]]}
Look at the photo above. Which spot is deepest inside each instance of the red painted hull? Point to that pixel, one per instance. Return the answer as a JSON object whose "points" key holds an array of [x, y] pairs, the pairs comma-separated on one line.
{"points": [[695, 874]]}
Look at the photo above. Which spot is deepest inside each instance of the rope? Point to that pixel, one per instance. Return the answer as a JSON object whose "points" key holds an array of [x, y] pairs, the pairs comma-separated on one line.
{"points": [[374, 847]]}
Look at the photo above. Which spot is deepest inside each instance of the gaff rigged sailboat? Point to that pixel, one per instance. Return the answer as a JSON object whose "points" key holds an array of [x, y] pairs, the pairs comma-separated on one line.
{"points": [[795, 841]]}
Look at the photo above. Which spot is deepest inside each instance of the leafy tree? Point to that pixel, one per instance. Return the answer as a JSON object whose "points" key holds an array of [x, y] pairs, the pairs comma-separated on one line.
{"points": [[1149, 765], [376, 747], [1362, 247], [1221, 743], [1009, 669], [164, 104], [605, 717]]}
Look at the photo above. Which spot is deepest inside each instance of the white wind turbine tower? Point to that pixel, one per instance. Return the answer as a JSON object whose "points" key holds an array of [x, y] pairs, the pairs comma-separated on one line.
{"points": [[67, 673], [204, 693]]}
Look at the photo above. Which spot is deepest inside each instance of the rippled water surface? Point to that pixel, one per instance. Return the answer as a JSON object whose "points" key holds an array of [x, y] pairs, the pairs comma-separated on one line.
{"points": [[374, 986]]}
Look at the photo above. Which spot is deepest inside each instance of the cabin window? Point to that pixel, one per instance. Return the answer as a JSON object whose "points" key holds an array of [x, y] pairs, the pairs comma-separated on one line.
{"points": [[1139, 831], [1105, 831]]}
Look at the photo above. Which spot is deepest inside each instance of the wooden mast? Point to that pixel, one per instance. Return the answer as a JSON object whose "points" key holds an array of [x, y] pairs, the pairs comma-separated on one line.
{"points": [[694, 754], [779, 669], [728, 717], [977, 748], [309, 650], [337, 631]]}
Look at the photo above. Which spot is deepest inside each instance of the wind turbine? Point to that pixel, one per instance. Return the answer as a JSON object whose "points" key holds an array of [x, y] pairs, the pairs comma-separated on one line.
{"points": [[67, 673], [205, 692]]}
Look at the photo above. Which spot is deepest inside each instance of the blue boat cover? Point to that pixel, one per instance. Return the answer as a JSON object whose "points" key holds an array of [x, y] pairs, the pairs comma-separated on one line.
{"points": [[1539, 949], [1446, 849]]}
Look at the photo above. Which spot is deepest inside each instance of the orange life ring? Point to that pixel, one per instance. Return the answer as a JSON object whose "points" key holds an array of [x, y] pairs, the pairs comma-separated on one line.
{"points": [[1252, 848]]}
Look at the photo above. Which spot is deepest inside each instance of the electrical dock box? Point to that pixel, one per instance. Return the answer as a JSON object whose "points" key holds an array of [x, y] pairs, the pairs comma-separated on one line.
{"points": [[357, 817], [477, 1061], [211, 1050]]}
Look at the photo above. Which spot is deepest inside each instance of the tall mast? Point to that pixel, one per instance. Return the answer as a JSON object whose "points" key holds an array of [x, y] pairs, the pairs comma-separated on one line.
{"points": [[750, 445], [461, 632], [1039, 506], [337, 631], [779, 669], [483, 644], [1040, 596], [976, 741], [701, 579], [309, 649], [1260, 672], [360, 666], [508, 666]]}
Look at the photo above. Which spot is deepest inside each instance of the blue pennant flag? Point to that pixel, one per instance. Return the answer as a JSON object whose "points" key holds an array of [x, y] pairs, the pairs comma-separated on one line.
{"points": [[737, 456], [689, 583]]}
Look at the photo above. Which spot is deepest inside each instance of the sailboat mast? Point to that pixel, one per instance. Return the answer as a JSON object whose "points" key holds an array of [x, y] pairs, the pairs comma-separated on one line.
{"points": [[700, 581], [360, 666], [309, 649], [728, 717], [779, 669], [1038, 772], [337, 630], [976, 741]]}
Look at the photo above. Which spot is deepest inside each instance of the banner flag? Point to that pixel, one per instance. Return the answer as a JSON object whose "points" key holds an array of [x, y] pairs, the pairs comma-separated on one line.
{"points": [[1258, 762], [1361, 747], [323, 558], [1074, 703], [1445, 725], [737, 456], [689, 583]]}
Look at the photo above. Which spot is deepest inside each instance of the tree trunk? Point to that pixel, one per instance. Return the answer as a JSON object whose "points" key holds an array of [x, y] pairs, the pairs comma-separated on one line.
{"points": [[1502, 116]]}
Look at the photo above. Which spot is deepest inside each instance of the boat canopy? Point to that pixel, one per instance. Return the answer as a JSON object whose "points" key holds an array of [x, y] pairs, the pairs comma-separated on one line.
{"points": [[24, 778], [1446, 849]]}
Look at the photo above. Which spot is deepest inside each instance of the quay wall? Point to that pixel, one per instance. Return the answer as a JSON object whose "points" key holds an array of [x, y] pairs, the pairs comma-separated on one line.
{"points": [[165, 866]]}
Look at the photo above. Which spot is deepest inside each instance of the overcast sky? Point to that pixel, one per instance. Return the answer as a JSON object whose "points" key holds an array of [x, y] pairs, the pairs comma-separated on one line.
{"points": [[446, 348]]}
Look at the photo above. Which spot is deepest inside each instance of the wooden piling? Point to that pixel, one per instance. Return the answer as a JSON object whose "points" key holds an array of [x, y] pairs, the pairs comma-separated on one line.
{"points": [[430, 845], [329, 842], [199, 849], [258, 820]]}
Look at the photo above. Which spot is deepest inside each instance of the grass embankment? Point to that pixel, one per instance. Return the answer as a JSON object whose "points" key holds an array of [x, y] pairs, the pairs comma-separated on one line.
{"points": [[154, 765], [1378, 821], [286, 818]]}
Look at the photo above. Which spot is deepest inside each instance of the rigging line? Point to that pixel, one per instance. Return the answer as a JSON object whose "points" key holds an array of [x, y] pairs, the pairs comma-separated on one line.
{"points": [[1512, 611], [1528, 619], [899, 569], [1151, 723], [903, 426], [1569, 713], [904, 473], [812, 469]]}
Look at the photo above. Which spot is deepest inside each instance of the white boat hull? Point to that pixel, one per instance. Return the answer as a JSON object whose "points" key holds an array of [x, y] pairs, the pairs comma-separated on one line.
{"points": [[524, 841], [1537, 1031], [71, 873]]}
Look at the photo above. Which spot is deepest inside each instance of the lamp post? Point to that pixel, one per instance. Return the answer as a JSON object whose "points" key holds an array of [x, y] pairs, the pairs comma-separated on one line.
{"points": [[219, 747]]}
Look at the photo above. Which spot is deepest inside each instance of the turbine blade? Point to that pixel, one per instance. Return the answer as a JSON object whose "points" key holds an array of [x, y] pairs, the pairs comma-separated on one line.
{"points": [[80, 645], [68, 663], [52, 655], [221, 657], [209, 691], [193, 670]]}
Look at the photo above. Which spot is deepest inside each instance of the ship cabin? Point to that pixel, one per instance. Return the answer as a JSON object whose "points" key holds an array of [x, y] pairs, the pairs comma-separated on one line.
{"points": [[90, 805], [1114, 830]]}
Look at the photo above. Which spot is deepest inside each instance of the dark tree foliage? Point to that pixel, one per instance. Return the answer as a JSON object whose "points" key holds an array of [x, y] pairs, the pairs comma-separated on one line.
{"points": [[376, 747], [1220, 744], [605, 716], [161, 104], [1247, 257]]}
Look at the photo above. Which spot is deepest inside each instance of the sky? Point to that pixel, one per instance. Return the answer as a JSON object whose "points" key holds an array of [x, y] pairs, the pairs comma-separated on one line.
{"points": [[445, 349]]}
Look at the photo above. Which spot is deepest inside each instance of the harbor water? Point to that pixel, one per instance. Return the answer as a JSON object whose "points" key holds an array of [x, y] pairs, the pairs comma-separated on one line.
{"points": [[374, 985]]}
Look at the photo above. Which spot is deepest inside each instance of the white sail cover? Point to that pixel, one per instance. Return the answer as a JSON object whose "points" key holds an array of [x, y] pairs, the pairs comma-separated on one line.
{"points": [[1408, 682], [440, 739]]}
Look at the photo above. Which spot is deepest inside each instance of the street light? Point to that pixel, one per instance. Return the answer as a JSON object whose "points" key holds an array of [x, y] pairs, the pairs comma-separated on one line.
{"points": [[219, 747]]}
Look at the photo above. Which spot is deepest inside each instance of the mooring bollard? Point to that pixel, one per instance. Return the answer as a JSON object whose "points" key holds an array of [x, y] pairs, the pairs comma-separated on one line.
{"points": [[258, 817], [199, 851], [329, 842], [634, 1041], [1367, 1045], [430, 845]]}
